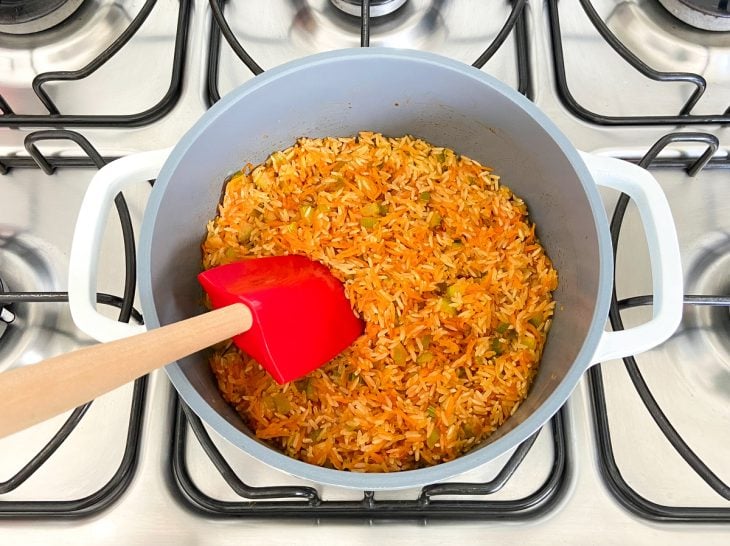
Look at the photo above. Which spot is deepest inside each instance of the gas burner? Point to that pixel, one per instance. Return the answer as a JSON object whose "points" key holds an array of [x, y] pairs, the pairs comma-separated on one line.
{"points": [[378, 8], [81, 39], [708, 327], [6, 315], [31, 16], [38, 330], [704, 14]]}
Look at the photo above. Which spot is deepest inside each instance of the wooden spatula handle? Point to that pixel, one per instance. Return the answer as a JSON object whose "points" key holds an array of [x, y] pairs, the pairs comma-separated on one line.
{"points": [[37, 392]]}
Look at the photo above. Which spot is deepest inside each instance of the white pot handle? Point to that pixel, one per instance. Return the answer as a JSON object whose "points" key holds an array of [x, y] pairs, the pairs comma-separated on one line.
{"points": [[110, 180], [666, 265]]}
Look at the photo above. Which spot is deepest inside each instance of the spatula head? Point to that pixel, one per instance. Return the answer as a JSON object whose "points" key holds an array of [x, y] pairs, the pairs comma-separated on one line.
{"points": [[301, 317]]}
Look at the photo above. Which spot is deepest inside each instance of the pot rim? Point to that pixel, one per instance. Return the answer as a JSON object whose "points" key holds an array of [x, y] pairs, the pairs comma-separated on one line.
{"points": [[407, 478]]}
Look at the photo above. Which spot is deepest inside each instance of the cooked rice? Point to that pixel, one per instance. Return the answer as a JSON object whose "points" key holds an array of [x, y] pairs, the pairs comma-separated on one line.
{"points": [[441, 262]]}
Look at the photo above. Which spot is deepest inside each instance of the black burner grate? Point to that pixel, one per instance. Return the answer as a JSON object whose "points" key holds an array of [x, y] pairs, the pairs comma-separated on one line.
{"points": [[684, 117], [304, 502], [55, 118], [610, 470], [123, 476], [516, 22]]}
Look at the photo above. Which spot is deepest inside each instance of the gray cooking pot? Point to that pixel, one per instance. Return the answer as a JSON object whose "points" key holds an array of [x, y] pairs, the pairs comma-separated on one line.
{"points": [[394, 92]]}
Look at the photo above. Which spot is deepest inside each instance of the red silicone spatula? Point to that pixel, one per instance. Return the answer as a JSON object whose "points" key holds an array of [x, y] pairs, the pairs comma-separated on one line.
{"points": [[287, 312], [301, 318]]}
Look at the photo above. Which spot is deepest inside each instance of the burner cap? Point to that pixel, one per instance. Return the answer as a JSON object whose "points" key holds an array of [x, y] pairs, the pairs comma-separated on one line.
{"points": [[29, 16], [6, 316], [704, 14], [378, 8]]}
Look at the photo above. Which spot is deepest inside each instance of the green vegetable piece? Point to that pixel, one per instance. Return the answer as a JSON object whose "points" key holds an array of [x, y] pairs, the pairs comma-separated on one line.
{"points": [[399, 354], [536, 320], [281, 403], [426, 341], [371, 209], [453, 291], [467, 431], [446, 307], [383, 209], [431, 411], [435, 220], [425, 197], [307, 211], [529, 342], [315, 434], [502, 327], [497, 346], [425, 357], [244, 233], [433, 438], [368, 222], [307, 387]]}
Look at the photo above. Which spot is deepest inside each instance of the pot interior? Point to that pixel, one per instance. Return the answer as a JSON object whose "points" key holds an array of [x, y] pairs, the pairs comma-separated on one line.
{"points": [[394, 93]]}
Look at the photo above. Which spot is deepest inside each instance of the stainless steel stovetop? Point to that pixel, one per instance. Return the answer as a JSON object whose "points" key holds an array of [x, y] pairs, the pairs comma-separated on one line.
{"points": [[133, 468]]}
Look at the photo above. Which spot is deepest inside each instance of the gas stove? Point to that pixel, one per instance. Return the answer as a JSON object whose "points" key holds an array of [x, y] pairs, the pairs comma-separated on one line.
{"points": [[638, 455]]}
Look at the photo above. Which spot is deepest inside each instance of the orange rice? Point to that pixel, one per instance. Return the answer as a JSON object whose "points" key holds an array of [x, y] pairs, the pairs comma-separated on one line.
{"points": [[441, 262]]}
